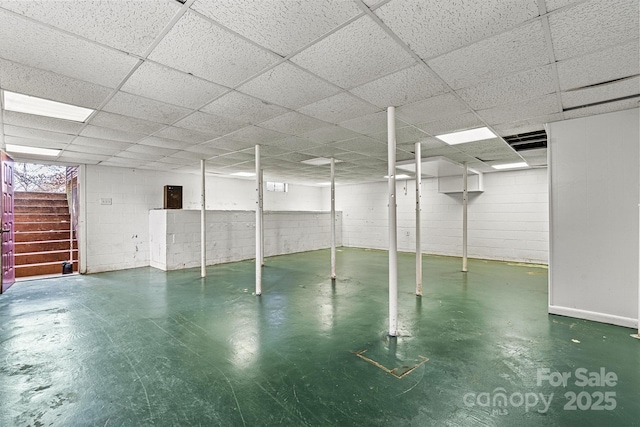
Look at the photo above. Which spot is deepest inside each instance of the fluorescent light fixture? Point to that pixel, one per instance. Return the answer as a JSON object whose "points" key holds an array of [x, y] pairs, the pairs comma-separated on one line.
{"points": [[319, 161], [510, 165], [245, 174], [400, 176], [43, 107], [470, 135], [25, 149]]}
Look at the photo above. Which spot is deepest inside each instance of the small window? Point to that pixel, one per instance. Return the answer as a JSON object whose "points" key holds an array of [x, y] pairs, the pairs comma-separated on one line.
{"points": [[282, 187]]}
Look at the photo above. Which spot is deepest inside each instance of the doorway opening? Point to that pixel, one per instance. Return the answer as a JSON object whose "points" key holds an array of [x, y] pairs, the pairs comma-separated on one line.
{"points": [[46, 209]]}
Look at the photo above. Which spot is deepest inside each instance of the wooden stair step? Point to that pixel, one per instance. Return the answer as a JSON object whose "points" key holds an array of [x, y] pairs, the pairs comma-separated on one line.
{"points": [[40, 236], [39, 195], [32, 258], [43, 246], [41, 226], [40, 209], [41, 269]]}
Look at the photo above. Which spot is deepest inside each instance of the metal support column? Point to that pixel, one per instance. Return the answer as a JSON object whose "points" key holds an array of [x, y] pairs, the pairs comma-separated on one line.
{"points": [[333, 218], [418, 150], [393, 237], [465, 203], [203, 222], [258, 225]]}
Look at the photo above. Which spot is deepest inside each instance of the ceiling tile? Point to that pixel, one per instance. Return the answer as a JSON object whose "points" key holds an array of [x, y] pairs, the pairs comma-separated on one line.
{"points": [[122, 162], [295, 143], [173, 87], [592, 25], [451, 124], [203, 49], [325, 150], [187, 155], [542, 106], [155, 141], [529, 125], [514, 88], [144, 108], [368, 125], [606, 92], [328, 134], [432, 109], [357, 53], [452, 24], [402, 87], [596, 67], [48, 49], [207, 149], [125, 123], [129, 26], [282, 26], [232, 145], [338, 108], [495, 57], [404, 135], [557, 4], [289, 86], [603, 108], [105, 144], [293, 123], [102, 151], [149, 149], [41, 122], [208, 123], [243, 108], [82, 158], [56, 87], [363, 145], [185, 135], [107, 133], [36, 134], [128, 154], [257, 135]]}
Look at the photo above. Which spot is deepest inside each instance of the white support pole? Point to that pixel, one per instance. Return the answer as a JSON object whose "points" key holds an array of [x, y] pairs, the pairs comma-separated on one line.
{"points": [[203, 223], [393, 237], [418, 150], [333, 218], [465, 203], [258, 225], [261, 195], [638, 334]]}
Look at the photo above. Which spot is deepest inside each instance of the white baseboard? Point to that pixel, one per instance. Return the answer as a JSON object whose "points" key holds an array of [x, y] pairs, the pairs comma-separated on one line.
{"points": [[627, 322]]}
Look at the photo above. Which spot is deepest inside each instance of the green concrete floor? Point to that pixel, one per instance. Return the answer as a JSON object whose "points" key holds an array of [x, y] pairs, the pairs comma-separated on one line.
{"points": [[144, 347]]}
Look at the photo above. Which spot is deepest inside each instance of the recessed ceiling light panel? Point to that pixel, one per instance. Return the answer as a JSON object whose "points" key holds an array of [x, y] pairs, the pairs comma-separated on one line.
{"points": [[43, 107], [25, 149], [244, 174], [478, 134], [319, 161], [510, 166]]}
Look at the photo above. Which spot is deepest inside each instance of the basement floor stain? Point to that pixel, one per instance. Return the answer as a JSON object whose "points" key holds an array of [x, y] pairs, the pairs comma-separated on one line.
{"points": [[146, 347]]}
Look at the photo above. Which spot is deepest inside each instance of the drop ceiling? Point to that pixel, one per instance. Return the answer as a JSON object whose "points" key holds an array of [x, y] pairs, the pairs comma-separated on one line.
{"points": [[175, 83]]}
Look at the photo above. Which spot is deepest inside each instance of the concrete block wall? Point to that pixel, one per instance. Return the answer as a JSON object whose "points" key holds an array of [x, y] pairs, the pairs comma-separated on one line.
{"points": [[117, 234], [508, 221], [231, 235]]}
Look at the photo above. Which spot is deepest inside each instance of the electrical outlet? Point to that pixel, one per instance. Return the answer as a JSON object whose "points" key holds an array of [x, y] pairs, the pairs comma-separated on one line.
{"points": [[105, 201]]}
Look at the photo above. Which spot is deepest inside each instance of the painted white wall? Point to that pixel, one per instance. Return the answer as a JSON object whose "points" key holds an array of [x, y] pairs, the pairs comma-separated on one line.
{"points": [[175, 235], [118, 234], [594, 170], [508, 221]]}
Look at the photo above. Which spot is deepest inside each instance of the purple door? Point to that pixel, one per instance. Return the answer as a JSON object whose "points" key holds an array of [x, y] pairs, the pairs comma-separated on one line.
{"points": [[8, 272]]}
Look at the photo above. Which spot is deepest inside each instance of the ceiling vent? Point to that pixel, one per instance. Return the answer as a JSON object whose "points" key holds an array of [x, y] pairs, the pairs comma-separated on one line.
{"points": [[527, 141]]}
